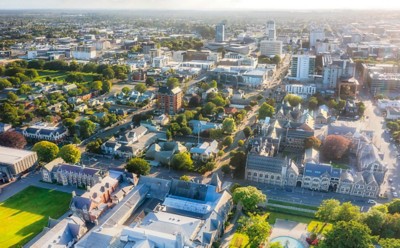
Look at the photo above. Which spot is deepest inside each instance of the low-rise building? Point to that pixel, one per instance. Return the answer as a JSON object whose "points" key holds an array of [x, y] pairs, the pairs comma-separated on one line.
{"points": [[302, 90], [205, 151], [201, 126], [392, 113], [14, 162], [44, 131]]}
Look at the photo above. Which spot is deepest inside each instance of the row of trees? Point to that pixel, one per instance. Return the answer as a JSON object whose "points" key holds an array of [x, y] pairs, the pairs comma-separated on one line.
{"points": [[47, 151], [355, 229]]}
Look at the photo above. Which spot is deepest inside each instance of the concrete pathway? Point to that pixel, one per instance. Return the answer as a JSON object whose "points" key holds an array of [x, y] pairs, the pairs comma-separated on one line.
{"points": [[231, 229], [290, 228]]}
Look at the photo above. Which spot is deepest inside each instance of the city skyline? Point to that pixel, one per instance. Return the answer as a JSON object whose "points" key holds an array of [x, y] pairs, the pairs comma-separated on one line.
{"points": [[196, 4]]}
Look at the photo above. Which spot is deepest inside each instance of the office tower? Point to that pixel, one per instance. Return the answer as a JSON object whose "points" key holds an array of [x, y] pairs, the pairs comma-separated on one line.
{"points": [[271, 31], [220, 32]]}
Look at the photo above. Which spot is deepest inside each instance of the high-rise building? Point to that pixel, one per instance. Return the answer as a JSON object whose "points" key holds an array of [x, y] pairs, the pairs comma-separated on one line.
{"points": [[271, 47], [335, 70], [315, 35], [302, 66], [220, 32], [169, 100], [271, 31]]}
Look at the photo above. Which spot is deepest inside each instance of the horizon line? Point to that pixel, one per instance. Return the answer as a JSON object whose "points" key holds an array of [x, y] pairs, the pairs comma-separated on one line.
{"points": [[205, 10]]}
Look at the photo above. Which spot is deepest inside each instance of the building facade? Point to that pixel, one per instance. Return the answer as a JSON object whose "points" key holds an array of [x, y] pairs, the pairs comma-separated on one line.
{"points": [[169, 100], [14, 162], [220, 32], [271, 47], [302, 67]]}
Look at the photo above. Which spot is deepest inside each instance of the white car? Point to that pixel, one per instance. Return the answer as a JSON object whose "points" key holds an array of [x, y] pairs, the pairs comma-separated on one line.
{"points": [[395, 194], [372, 202]]}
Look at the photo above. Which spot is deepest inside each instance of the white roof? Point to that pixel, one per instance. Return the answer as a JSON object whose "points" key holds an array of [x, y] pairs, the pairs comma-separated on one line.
{"points": [[12, 156]]}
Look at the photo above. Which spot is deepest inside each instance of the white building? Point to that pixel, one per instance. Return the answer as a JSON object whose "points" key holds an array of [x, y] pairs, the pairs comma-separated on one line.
{"points": [[302, 67], [315, 35], [301, 90], [338, 68], [271, 47], [102, 45], [271, 31], [220, 32], [159, 62], [84, 53], [385, 103]]}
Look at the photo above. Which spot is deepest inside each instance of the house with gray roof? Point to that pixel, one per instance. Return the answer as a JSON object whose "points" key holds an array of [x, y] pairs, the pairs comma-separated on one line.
{"points": [[44, 131], [201, 126], [205, 151], [164, 151]]}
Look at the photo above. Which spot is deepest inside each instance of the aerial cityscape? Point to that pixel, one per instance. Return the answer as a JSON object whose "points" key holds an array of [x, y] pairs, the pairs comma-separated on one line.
{"points": [[196, 124]]}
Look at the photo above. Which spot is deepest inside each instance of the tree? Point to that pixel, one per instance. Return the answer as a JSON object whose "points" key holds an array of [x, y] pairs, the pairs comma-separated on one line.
{"points": [[265, 110], [172, 82], [389, 243], [312, 142], [46, 151], [209, 108], [226, 169], [70, 153], [394, 206], [70, 124], [86, 128], [185, 178], [94, 146], [182, 161], [194, 101], [150, 81], [328, 209], [391, 228], [229, 125], [4, 83], [31, 73], [275, 245], [375, 220], [312, 103], [247, 131], [348, 234], [361, 108], [332, 104], [240, 143], [107, 85], [24, 89], [108, 73], [12, 97], [138, 166], [341, 104], [141, 87], [186, 131], [249, 197], [76, 140], [126, 90], [12, 139], [293, 100], [256, 228], [227, 141], [238, 161], [96, 85], [347, 212], [335, 146]]}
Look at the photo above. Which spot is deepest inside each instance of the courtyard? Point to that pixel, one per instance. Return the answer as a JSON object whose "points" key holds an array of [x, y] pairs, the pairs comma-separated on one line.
{"points": [[25, 214]]}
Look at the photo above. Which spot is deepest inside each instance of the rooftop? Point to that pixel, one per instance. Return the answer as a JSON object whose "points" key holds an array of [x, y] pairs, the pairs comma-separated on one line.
{"points": [[12, 156]]}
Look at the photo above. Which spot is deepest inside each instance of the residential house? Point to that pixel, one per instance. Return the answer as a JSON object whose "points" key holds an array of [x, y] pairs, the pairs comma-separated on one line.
{"points": [[110, 146], [321, 116], [208, 91], [201, 126], [164, 151], [81, 108], [392, 113], [69, 87], [55, 108], [161, 120], [205, 151]]}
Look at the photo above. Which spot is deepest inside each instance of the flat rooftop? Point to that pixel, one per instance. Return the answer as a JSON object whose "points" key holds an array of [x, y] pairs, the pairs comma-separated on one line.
{"points": [[12, 156]]}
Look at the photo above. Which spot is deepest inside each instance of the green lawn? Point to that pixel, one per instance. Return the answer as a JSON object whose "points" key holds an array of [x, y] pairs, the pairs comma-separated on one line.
{"points": [[339, 166], [319, 227], [239, 240], [293, 205], [61, 75], [24, 215], [273, 215]]}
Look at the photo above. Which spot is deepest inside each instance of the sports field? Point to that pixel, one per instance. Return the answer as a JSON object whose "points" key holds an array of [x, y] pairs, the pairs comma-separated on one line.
{"points": [[24, 215]]}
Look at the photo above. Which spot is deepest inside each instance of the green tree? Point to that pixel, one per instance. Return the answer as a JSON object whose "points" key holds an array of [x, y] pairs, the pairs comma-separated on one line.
{"points": [[328, 210], [247, 131], [126, 90], [31, 73], [172, 82], [238, 161], [209, 108], [4, 83], [341, 104], [226, 169], [12, 97], [256, 228], [394, 206], [347, 212], [138, 166], [150, 81], [186, 131], [229, 125], [375, 220], [96, 85], [293, 100], [265, 110], [240, 143], [108, 73], [107, 85], [46, 151], [361, 108], [76, 140], [313, 103], [141, 87], [94, 146], [213, 84], [182, 161], [249, 197], [70, 125], [227, 141], [185, 178], [335, 147], [86, 128], [348, 234], [70, 154], [24, 89], [275, 245], [332, 104], [389, 243]]}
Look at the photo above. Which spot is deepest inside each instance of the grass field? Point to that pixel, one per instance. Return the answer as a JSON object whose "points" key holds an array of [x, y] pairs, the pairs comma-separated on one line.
{"points": [[24, 215], [293, 205], [319, 227], [273, 215], [239, 240]]}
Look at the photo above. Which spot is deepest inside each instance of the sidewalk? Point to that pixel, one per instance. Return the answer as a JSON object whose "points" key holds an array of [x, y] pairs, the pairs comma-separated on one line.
{"points": [[230, 231]]}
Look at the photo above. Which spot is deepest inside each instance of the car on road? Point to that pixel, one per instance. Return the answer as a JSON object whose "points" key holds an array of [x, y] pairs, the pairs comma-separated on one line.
{"points": [[395, 194], [390, 180], [372, 202], [393, 189]]}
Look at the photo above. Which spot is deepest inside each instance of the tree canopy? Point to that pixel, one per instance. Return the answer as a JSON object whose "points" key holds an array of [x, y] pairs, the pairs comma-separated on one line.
{"points": [[228, 125], [12, 139], [70, 153], [249, 197], [265, 110], [182, 161], [255, 227], [46, 151], [138, 166], [348, 234], [293, 100], [335, 147]]}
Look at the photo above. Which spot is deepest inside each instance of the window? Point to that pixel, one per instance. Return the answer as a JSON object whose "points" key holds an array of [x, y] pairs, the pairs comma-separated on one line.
{"points": [[266, 175], [272, 177], [255, 174], [278, 178], [249, 173]]}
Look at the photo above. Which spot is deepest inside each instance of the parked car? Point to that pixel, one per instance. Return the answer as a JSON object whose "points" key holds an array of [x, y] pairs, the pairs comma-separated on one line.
{"points": [[393, 189], [372, 202], [395, 194], [390, 180]]}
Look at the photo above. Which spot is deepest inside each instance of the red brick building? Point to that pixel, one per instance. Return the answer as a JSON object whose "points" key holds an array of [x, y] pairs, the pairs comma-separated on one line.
{"points": [[169, 100]]}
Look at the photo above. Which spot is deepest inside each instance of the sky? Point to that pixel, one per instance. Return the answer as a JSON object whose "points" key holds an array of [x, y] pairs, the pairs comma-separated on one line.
{"points": [[200, 4]]}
